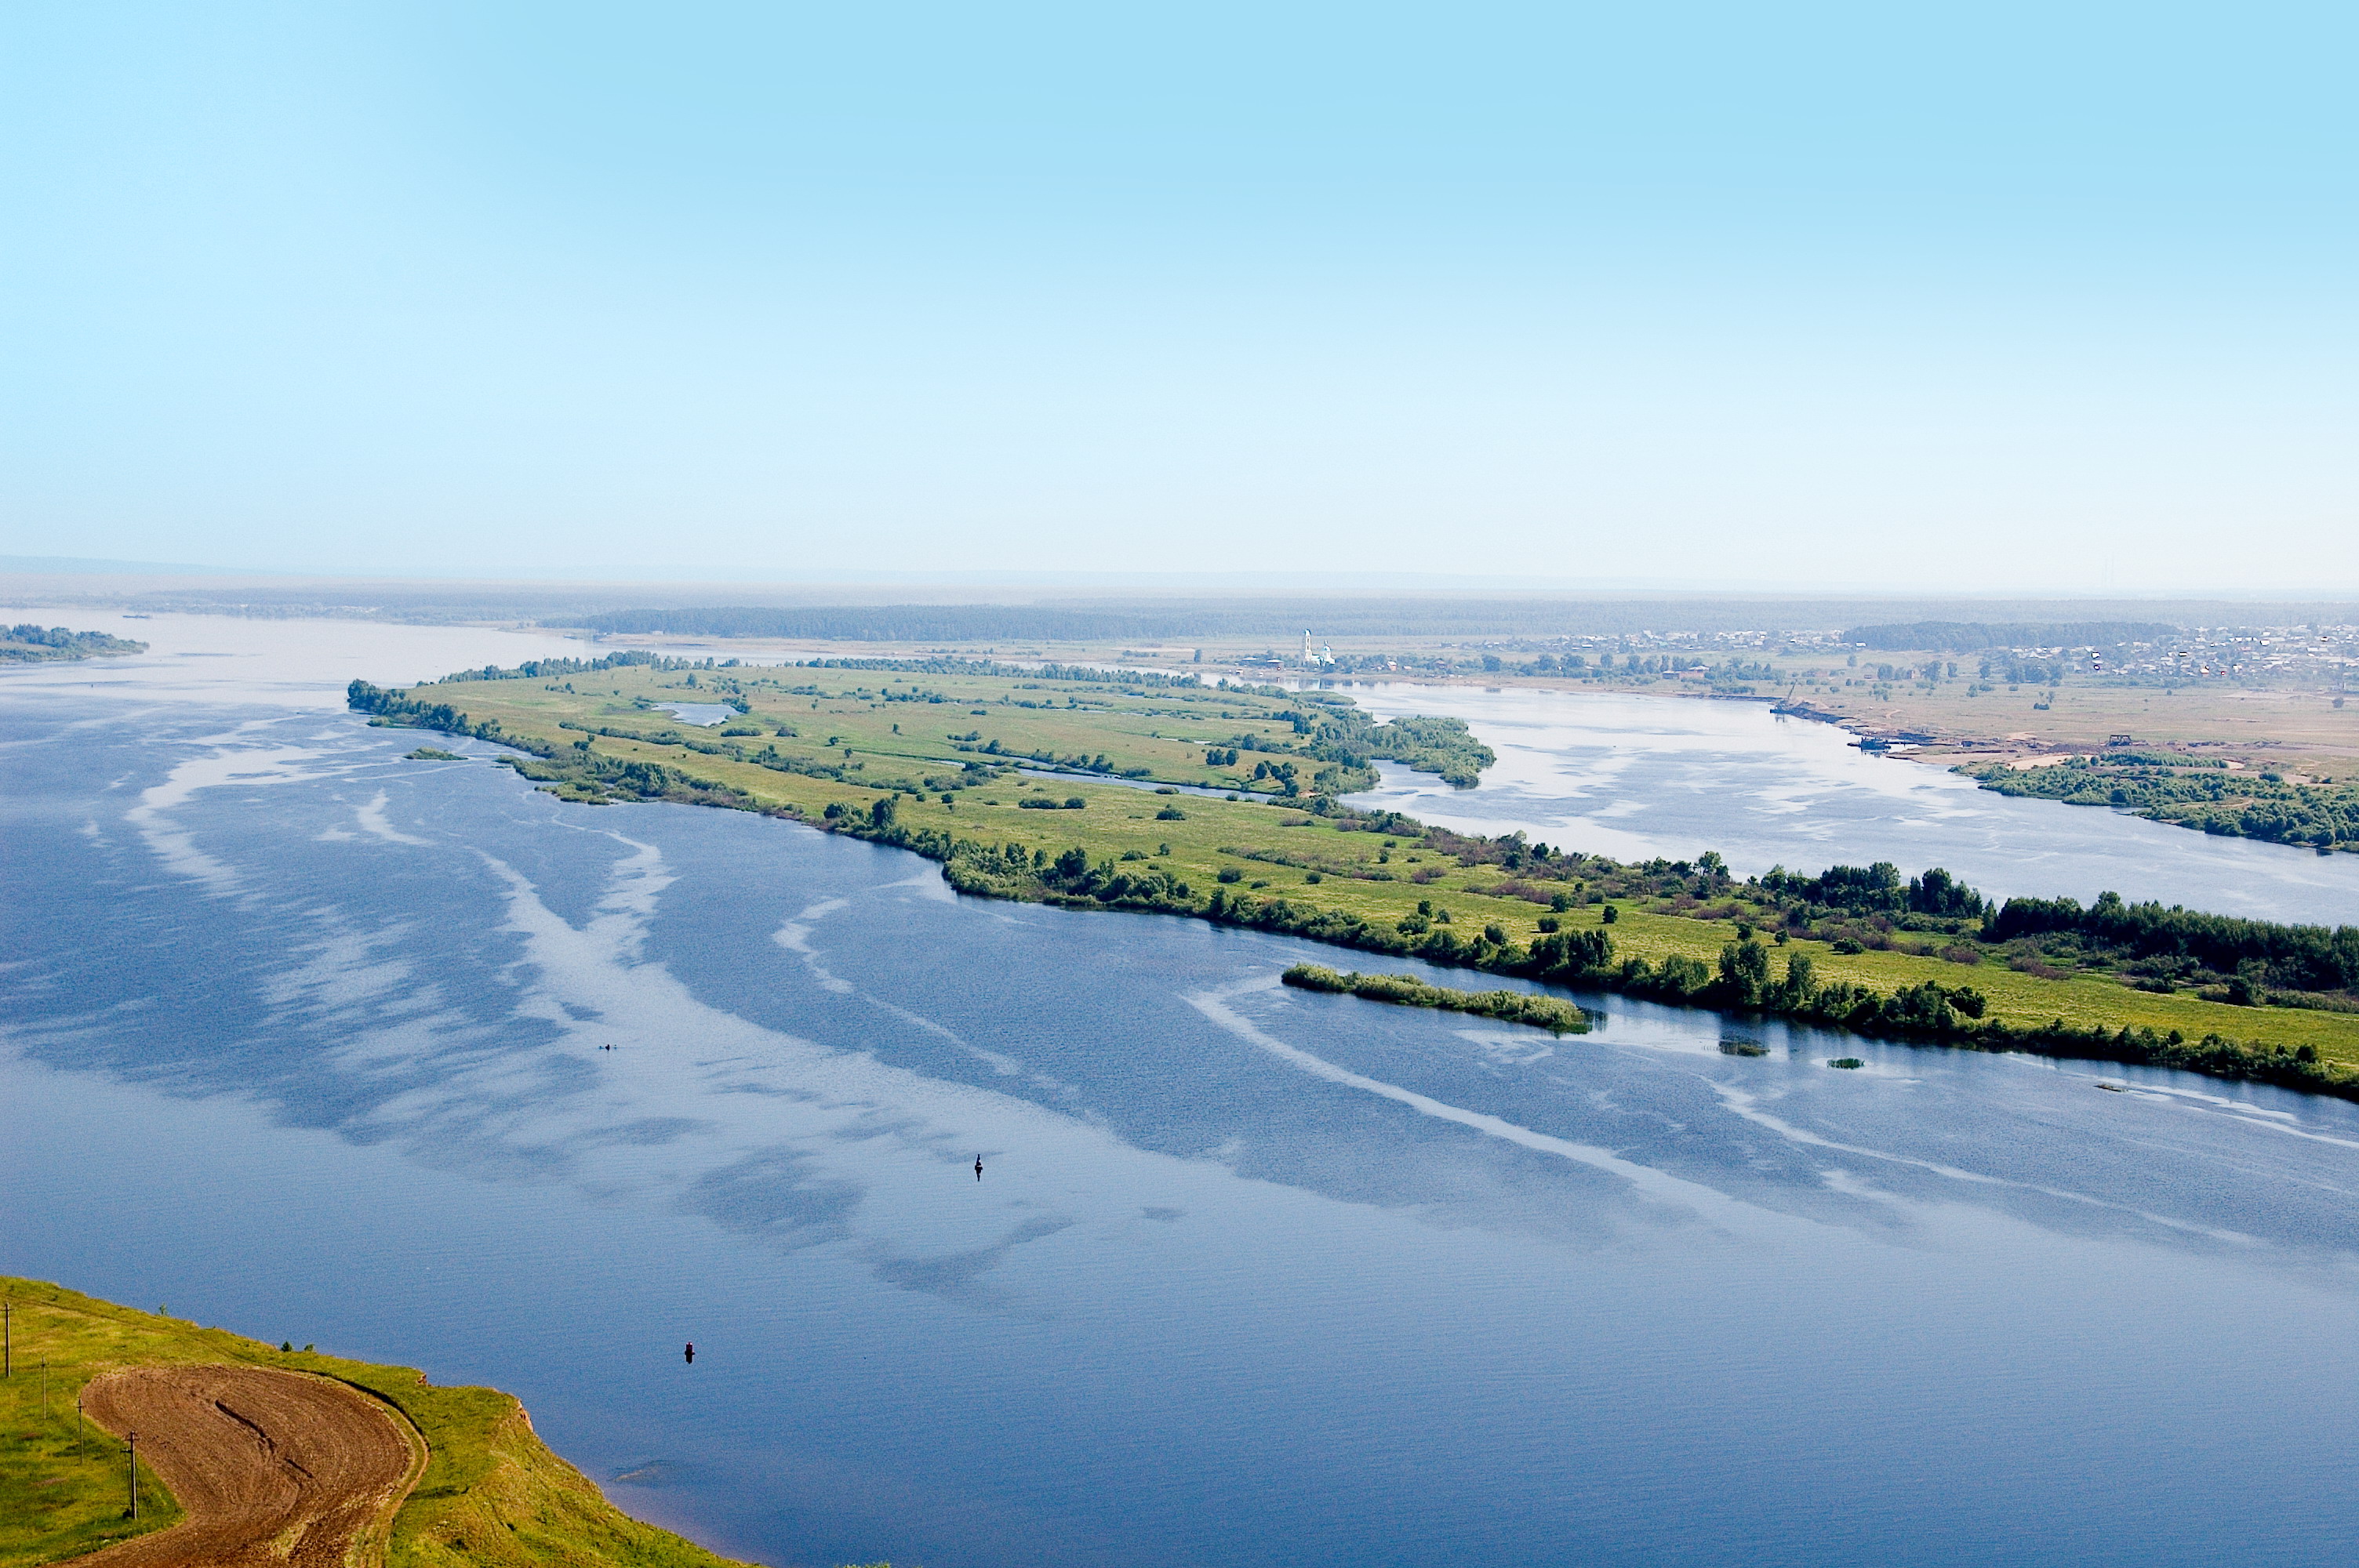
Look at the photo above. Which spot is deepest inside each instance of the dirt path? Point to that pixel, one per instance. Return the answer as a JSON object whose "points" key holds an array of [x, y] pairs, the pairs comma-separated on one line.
{"points": [[273, 1468]]}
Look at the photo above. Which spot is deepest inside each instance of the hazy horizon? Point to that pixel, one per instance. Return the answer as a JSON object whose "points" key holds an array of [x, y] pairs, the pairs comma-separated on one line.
{"points": [[1191, 585]]}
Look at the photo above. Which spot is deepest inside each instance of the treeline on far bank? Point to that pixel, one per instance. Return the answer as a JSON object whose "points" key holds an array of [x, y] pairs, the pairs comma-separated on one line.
{"points": [[2188, 792]]}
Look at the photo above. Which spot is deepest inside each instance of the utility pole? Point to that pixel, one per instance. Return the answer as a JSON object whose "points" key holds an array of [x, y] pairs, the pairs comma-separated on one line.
{"points": [[134, 1478], [7, 1336], [77, 1426]]}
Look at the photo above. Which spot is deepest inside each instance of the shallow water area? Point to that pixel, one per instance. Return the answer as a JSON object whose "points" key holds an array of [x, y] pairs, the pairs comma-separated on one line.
{"points": [[408, 1059], [703, 715], [1635, 776]]}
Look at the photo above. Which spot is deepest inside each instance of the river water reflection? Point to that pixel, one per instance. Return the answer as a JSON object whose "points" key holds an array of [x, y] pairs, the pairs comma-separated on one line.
{"points": [[311, 1041], [1635, 776]]}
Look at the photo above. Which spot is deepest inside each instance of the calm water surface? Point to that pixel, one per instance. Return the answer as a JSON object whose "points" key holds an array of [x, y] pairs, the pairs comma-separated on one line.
{"points": [[1635, 776], [307, 1040]]}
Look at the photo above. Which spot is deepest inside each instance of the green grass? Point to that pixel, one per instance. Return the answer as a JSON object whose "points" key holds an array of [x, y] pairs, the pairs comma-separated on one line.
{"points": [[1273, 846], [60, 1497], [493, 1492]]}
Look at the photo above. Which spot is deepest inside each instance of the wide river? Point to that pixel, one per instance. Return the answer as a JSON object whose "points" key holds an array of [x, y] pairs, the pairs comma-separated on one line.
{"points": [[312, 1042]]}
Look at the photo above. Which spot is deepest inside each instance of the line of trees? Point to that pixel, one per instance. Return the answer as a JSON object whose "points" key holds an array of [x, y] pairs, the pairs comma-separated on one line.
{"points": [[1877, 889], [2302, 958]]}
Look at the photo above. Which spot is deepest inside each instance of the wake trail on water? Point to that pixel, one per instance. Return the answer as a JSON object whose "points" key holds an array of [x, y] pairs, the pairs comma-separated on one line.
{"points": [[1740, 1103], [1661, 1185]]}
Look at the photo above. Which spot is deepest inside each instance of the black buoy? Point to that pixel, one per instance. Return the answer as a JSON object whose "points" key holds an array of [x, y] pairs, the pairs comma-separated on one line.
{"points": [[978, 1167], [691, 1352]]}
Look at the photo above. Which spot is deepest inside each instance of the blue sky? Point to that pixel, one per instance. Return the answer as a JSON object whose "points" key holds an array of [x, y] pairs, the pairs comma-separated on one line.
{"points": [[1987, 297]]}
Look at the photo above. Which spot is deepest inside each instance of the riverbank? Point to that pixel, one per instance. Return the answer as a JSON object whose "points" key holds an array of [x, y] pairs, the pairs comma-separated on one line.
{"points": [[904, 762], [488, 1491]]}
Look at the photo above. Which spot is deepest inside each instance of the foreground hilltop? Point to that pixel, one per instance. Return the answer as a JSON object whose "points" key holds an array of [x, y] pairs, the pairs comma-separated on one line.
{"points": [[478, 1487]]}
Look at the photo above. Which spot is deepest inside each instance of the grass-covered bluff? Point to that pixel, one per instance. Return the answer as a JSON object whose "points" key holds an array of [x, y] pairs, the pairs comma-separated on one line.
{"points": [[938, 756], [493, 1492]]}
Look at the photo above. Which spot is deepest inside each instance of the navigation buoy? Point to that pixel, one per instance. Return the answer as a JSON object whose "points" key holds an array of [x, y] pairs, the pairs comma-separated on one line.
{"points": [[978, 1167], [691, 1353]]}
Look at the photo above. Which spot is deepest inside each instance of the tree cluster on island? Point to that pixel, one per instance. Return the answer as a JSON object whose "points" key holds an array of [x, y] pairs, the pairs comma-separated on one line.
{"points": [[2202, 793], [27, 642]]}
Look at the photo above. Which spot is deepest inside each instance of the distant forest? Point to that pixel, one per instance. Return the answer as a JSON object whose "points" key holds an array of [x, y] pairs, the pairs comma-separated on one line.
{"points": [[1972, 637]]}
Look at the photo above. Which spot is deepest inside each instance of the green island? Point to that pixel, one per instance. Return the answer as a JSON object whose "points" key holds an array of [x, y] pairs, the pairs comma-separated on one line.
{"points": [[1105, 788], [27, 643], [1556, 1016], [492, 1491]]}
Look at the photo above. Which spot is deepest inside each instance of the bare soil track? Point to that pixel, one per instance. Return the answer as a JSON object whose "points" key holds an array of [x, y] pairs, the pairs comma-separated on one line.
{"points": [[275, 1468]]}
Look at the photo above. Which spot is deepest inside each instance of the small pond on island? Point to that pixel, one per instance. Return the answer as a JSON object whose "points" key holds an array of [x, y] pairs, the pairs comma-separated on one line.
{"points": [[309, 1041], [704, 714]]}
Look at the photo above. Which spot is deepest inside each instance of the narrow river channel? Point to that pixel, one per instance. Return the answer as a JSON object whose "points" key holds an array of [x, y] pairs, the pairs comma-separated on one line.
{"points": [[1635, 776]]}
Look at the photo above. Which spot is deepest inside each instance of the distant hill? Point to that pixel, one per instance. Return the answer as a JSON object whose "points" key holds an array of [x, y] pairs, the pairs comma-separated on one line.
{"points": [[1968, 636]]}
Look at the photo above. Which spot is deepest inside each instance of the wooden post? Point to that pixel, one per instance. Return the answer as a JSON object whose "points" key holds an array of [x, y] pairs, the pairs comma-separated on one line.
{"points": [[133, 1452]]}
